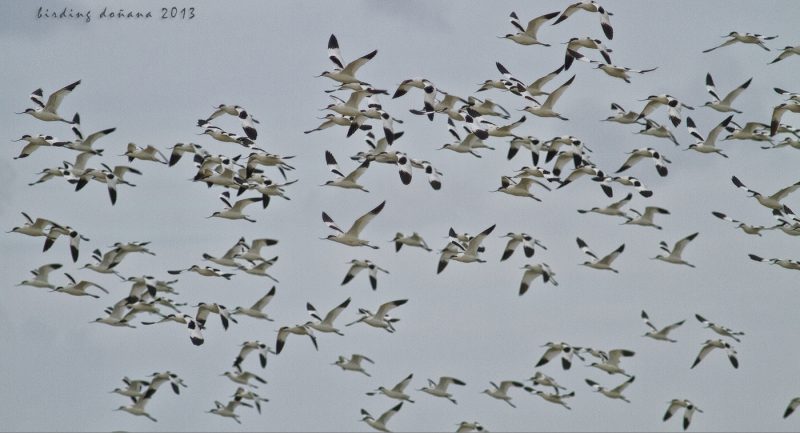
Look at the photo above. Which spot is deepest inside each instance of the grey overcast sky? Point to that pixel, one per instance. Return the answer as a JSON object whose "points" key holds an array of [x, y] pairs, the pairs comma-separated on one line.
{"points": [[152, 79]]}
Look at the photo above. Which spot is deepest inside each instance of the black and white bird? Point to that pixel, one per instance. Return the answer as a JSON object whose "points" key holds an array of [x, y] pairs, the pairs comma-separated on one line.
{"points": [[777, 114], [688, 410], [254, 346], [243, 377], [527, 35], [344, 73], [256, 310], [35, 142], [204, 310], [520, 188], [412, 240], [747, 228], [326, 324], [560, 348], [609, 361], [745, 38], [786, 52], [546, 109], [589, 6], [500, 391], [41, 275], [247, 121], [673, 107], [674, 255], [381, 318], [723, 105], [613, 393], [706, 144], [541, 379], [439, 389], [349, 181], [710, 345], [660, 334], [655, 129], [380, 423], [515, 240], [793, 404], [646, 218], [598, 263], [614, 209], [357, 266], [772, 201], [719, 329], [354, 363], [397, 392], [228, 410], [640, 154], [555, 398], [49, 111], [534, 271], [351, 236], [235, 211], [284, 332], [84, 143], [78, 288], [621, 72]]}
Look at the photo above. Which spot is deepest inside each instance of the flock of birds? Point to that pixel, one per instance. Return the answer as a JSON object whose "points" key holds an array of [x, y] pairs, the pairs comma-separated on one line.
{"points": [[555, 164]]}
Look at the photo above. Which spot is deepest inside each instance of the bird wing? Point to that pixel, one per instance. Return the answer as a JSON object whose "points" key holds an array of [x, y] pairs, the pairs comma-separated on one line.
{"points": [[475, 242], [534, 24], [386, 416], [361, 169], [623, 385], [712, 90], [264, 300], [334, 53], [611, 257], [623, 202], [385, 308], [356, 359], [362, 222], [712, 136], [353, 66], [332, 165], [329, 222], [56, 97], [647, 321], [585, 248], [401, 386], [97, 135], [651, 211], [674, 405], [334, 313], [692, 128], [728, 100], [780, 195], [681, 244], [537, 85], [241, 204], [553, 97], [511, 246]]}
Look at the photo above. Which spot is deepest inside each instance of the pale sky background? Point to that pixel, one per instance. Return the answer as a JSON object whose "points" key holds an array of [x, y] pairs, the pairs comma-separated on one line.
{"points": [[153, 79]]}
